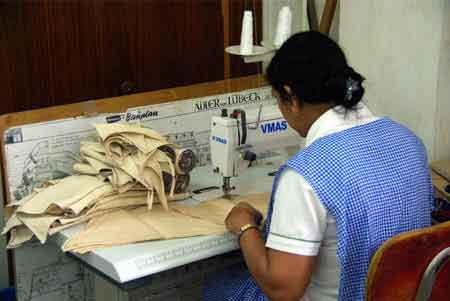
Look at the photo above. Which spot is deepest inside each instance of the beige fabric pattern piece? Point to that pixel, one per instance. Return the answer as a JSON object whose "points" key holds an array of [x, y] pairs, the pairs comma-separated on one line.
{"points": [[39, 225], [131, 154], [165, 165], [95, 151], [172, 224], [153, 177], [64, 223], [120, 201], [117, 228], [135, 150], [88, 201], [85, 169], [96, 164], [19, 236], [217, 210], [259, 201], [120, 179], [214, 211], [63, 194], [106, 130], [12, 222], [158, 224]]}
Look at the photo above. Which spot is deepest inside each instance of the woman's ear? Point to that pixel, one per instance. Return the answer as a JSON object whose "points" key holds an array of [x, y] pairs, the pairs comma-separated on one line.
{"points": [[294, 105], [288, 90]]}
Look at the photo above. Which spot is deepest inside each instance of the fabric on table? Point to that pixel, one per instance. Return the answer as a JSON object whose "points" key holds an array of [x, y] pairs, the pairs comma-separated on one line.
{"points": [[260, 201], [120, 201], [97, 164], [181, 221], [122, 172], [63, 194], [217, 210], [129, 199], [89, 199], [64, 223], [118, 228], [12, 222], [141, 142], [95, 151], [214, 211], [122, 181], [38, 224], [153, 177], [171, 224], [106, 130], [95, 146], [85, 169], [165, 165], [19, 235]]}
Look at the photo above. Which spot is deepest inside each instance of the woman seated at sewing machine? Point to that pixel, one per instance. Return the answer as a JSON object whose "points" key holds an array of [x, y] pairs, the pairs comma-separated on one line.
{"points": [[360, 180]]}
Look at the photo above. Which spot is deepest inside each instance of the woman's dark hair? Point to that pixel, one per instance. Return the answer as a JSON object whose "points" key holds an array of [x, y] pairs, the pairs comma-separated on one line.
{"points": [[316, 70]]}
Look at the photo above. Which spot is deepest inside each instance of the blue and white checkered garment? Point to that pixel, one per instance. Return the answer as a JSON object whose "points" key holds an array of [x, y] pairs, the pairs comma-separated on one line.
{"points": [[374, 180]]}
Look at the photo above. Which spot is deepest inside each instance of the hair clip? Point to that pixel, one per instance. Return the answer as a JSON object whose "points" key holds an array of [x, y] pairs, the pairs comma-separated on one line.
{"points": [[351, 86]]}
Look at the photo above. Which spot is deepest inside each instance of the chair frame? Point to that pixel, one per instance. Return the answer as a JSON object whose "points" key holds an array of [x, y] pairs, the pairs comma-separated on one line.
{"points": [[430, 274]]}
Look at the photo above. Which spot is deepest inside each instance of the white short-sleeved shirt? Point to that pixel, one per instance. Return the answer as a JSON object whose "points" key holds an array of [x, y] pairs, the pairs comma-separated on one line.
{"points": [[300, 223]]}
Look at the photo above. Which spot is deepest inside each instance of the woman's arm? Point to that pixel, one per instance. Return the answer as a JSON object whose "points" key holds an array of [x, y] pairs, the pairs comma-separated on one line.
{"points": [[281, 275]]}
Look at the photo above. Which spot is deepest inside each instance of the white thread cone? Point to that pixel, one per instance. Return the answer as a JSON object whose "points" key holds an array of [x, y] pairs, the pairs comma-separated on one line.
{"points": [[284, 26], [247, 33]]}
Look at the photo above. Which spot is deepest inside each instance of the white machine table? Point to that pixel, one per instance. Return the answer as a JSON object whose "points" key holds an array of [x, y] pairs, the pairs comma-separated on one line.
{"points": [[171, 269]]}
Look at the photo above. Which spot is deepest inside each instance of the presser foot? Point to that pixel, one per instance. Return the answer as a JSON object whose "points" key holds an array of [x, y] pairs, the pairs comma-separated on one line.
{"points": [[227, 189]]}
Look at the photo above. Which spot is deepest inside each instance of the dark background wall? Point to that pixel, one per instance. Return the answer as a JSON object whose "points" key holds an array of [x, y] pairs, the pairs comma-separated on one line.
{"points": [[55, 52]]}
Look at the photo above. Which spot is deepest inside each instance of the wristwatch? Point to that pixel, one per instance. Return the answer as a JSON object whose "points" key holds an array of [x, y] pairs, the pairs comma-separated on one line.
{"points": [[245, 227]]}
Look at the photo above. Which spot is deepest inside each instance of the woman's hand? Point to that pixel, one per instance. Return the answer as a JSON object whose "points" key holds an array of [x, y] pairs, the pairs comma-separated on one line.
{"points": [[240, 215]]}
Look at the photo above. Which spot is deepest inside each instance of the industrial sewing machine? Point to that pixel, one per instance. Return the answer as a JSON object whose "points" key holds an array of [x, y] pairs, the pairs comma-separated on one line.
{"points": [[241, 137]]}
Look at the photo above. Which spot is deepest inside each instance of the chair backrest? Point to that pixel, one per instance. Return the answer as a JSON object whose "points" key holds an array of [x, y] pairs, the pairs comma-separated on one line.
{"points": [[402, 265]]}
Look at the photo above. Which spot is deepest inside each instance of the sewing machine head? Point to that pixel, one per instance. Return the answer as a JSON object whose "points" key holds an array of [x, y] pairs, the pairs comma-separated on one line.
{"points": [[239, 138]]}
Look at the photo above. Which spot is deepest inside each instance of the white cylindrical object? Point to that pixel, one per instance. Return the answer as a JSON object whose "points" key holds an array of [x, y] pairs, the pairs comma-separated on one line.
{"points": [[247, 33], [284, 26]]}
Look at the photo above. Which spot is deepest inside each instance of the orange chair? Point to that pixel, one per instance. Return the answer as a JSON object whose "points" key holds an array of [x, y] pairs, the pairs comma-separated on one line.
{"points": [[412, 266]]}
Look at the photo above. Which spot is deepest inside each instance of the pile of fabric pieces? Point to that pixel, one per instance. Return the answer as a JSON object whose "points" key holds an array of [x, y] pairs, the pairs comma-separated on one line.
{"points": [[138, 225], [129, 167]]}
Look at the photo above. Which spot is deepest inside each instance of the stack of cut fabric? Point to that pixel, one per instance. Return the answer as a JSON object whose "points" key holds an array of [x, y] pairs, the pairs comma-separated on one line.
{"points": [[138, 225], [131, 167], [132, 157]]}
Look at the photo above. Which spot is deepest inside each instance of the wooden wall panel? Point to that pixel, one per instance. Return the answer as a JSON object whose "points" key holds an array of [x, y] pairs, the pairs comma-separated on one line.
{"points": [[55, 52], [188, 42]]}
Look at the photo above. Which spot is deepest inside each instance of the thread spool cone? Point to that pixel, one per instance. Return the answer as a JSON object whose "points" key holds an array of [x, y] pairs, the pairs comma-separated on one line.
{"points": [[247, 33], [284, 26]]}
